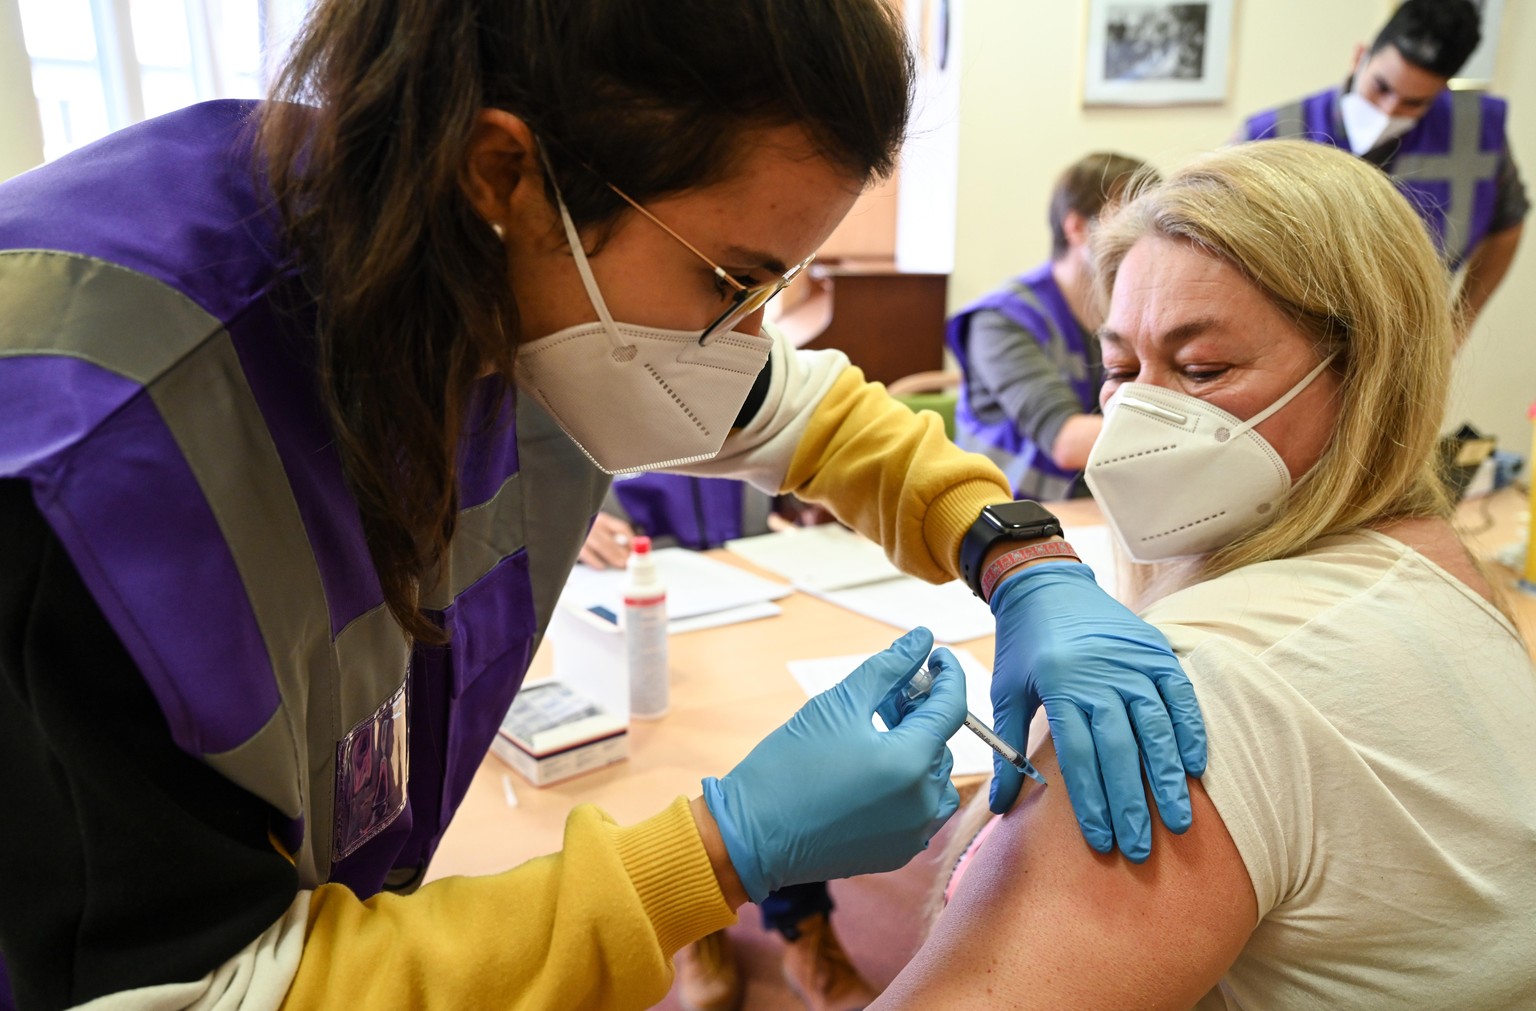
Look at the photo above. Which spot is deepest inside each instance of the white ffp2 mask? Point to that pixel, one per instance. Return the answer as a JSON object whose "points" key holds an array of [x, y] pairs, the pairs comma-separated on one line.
{"points": [[1176, 476], [638, 397], [1365, 126]]}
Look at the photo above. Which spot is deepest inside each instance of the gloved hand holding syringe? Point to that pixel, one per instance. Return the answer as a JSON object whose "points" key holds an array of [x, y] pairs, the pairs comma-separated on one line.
{"points": [[919, 686]]}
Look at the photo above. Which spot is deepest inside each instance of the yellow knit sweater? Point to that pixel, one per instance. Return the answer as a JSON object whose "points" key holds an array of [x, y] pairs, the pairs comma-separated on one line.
{"points": [[596, 925]]}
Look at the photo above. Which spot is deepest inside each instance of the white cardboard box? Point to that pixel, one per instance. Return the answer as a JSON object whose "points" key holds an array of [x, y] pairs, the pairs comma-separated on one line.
{"points": [[552, 732]]}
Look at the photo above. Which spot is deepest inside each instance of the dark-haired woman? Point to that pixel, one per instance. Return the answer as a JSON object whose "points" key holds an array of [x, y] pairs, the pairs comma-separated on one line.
{"points": [[305, 409]]}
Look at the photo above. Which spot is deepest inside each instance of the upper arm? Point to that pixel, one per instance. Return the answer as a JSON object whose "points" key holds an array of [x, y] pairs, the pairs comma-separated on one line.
{"points": [[1041, 920], [1026, 381], [1511, 203]]}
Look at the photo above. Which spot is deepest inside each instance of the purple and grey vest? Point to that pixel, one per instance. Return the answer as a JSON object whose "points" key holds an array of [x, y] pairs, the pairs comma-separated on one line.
{"points": [[1447, 165], [696, 512], [1033, 302], [158, 393]]}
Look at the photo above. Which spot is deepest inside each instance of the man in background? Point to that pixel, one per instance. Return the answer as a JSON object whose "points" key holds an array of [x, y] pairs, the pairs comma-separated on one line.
{"points": [[1028, 355], [1446, 150]]}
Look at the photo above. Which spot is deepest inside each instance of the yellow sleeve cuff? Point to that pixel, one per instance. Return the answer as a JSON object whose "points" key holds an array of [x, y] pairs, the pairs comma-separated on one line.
{"points": [[894, 476]]}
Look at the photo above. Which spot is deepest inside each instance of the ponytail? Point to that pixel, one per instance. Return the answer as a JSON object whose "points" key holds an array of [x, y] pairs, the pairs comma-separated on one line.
{"points": [[409, 281]]}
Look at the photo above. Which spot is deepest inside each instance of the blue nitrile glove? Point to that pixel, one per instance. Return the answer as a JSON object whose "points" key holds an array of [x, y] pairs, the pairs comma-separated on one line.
{"points": [[827, 795], [1108, 680], [895, 706]]}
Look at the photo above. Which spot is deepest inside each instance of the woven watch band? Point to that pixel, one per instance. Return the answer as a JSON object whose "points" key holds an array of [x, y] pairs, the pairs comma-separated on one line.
{"points": [[1006, 563]]}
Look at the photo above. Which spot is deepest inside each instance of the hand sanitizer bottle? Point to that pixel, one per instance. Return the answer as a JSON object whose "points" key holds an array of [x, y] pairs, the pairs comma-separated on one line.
{"points": [[645, 633]]}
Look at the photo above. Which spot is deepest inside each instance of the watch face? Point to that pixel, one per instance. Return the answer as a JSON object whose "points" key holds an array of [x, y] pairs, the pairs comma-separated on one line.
{"points": [[1016, 516]]}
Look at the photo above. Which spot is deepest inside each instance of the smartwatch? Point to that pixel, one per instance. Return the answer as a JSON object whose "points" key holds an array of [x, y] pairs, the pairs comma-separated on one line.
{"points": [[1007, 521]]}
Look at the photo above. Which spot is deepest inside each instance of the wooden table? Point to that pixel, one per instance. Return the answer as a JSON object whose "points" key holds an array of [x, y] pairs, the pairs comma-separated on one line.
{"points": [[730, 688]]}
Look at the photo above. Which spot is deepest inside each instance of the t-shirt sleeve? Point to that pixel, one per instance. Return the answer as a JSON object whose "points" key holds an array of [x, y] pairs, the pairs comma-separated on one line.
{"points": [[1259, 775], [1028, 386], [1511, 204]]}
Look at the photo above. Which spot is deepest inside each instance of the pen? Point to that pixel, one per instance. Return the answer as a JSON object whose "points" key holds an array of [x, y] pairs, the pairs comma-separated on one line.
{"points": [[922, 681]]}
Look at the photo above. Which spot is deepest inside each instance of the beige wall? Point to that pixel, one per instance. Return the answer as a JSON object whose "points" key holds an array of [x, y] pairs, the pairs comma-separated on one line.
{"points": [[21, 133], [1021, 122]]}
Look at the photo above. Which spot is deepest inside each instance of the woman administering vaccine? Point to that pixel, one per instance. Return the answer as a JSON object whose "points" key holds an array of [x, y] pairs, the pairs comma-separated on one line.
{"points": [[306, 408]]}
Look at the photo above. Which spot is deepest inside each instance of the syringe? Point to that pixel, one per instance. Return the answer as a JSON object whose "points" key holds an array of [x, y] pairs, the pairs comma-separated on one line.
{"points": [[920, 685]]}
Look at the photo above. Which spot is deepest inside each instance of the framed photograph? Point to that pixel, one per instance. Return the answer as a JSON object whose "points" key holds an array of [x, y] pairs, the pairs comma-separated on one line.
{"points": [[1153, 52]]}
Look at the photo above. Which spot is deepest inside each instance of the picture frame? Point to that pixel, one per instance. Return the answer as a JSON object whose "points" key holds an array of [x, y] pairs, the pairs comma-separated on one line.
{"points": [[1157, 52]]}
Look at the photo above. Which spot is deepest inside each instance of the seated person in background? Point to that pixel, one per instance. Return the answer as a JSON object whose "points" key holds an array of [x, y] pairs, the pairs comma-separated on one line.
{"points": [[1027, 351], [673, 509], [1277, 351], [703, 513]]}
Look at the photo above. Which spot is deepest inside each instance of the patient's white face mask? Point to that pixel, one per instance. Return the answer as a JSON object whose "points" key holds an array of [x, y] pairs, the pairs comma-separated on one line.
{"points": [[638, 397], [1176, 476]]}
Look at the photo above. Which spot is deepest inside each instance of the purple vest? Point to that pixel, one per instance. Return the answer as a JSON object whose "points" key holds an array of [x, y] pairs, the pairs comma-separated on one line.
{"points": [[698, 512], [158, 392], [1034, 303], [1447, 165]]}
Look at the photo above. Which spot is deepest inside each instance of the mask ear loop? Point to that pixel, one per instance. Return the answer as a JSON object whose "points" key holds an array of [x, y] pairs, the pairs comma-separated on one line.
{"points": [[622, 349], [1290, 395]]}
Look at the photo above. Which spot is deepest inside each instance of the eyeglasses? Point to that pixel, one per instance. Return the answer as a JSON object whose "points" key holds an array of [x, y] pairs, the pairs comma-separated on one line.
{"points": [[746, 300]]}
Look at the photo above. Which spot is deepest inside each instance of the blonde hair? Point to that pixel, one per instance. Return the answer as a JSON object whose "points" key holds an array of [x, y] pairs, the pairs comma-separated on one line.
{"points": [[1329, 241]]}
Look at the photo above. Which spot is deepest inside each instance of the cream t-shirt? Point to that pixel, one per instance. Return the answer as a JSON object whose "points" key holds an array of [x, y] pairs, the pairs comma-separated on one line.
{"points": [[1372, 727]]}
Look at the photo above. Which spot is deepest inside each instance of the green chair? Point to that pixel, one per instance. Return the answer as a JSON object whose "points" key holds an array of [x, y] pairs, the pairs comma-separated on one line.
{"points": [[930, 391]]}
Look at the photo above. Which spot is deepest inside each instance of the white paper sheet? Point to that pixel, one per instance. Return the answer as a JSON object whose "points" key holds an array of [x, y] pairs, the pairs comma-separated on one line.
{"points": [[1095, 546], [819, 558], [950, 611], [696, 584], [972, 757]]}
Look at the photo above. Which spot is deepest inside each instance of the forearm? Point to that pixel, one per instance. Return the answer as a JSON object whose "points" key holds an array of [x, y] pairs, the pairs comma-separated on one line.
{"points": [[1074, 441], [893, 475], [1486, 267], [595, 925]]}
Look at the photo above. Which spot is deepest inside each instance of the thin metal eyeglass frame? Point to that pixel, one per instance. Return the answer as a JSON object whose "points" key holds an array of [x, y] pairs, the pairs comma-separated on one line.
{"points": [[747, 299]]}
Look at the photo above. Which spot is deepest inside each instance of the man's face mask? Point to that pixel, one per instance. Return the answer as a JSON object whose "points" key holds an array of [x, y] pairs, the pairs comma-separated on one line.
{"points": [[1176, 476], [1366, 126], [637, 397]]}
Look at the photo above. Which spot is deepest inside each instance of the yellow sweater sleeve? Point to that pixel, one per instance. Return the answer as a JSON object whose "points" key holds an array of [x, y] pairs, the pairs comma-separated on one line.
{"points": [[893, 476], [593, 926]]}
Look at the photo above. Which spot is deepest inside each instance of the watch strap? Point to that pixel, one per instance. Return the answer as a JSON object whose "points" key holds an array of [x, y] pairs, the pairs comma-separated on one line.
{"points": [[1008, 561], [1023, 520]]}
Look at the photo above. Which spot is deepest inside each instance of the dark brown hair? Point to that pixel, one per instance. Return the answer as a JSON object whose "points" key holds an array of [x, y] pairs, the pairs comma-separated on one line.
{"points": [[1087, 185], [365, 141], [1435, 35]]}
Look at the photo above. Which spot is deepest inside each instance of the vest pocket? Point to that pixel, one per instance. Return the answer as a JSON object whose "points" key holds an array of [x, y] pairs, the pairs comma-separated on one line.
{"points": [[372, 772]]}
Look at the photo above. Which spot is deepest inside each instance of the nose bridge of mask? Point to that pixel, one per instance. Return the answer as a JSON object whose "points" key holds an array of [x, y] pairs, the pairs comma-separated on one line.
{"points": [[1285, 398]]}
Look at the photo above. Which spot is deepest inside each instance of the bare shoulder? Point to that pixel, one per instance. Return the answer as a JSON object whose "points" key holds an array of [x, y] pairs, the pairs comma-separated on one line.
{"points": [[1041, 920]]}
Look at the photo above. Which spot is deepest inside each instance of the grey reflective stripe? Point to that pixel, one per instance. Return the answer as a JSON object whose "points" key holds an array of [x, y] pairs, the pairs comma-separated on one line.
{"points": [[1067, 363], [42, 311], [1464, 166], [482, 536], [561, 490], [138, 327], [242, 479], [1290, 121]]}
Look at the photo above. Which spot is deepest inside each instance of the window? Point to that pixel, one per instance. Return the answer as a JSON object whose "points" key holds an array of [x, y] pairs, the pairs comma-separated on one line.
{"points": [[100, 65]]}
